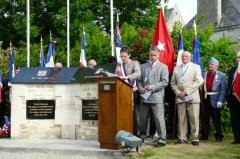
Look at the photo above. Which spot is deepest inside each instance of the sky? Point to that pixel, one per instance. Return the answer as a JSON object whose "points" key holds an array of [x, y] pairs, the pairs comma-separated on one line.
{"points": [[188, 8]]}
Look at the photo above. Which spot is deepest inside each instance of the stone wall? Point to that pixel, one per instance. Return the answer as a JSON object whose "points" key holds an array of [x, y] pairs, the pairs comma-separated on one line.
{"points": [[68, 121]]}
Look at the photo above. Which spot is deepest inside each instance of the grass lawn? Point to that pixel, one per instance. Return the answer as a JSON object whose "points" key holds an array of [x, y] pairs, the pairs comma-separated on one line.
{"points": [[206, 150]]}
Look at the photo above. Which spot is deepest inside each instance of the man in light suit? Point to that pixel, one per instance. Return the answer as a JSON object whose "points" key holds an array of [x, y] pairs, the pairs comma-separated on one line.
{"points": [[215, 88], [154, 78], [185, 82], [129, 70]]}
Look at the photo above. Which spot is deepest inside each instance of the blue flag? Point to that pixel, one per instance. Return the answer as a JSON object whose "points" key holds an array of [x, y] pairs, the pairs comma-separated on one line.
{"points": [[50, 54], [11, 66], [1, 81], [180, 49], [83, 59], [118, 42], [196, 53], [42, 58]]}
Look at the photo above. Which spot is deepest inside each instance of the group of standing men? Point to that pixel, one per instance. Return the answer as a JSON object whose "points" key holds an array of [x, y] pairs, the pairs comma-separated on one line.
{"points": [[149, 81]]}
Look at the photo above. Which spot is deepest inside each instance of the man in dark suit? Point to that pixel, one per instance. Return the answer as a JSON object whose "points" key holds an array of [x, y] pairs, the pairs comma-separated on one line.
{"points": [[234, 103], [154, 78], [215, 89]]}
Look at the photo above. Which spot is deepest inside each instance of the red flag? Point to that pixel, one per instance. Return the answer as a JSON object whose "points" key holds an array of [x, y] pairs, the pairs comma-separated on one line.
{"points": [[236, 87], [162, 40]]}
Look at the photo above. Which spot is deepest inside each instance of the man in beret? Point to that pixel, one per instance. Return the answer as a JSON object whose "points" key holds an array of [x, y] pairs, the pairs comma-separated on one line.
{"points": [[215, 88]]}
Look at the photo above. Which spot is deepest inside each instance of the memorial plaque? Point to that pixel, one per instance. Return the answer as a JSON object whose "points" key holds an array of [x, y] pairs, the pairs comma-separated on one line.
{"points": [[40, 109], [89, 110]]}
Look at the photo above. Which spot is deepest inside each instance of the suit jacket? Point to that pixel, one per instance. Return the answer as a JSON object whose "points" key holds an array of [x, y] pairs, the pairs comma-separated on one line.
{"points": [[219, 85], [157, 78], [189, 82], [230, 95], [132, 69]]}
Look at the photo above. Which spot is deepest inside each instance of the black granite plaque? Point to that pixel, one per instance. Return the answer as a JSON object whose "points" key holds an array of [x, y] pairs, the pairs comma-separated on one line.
{"points": [[40, 109], [89, 110]]}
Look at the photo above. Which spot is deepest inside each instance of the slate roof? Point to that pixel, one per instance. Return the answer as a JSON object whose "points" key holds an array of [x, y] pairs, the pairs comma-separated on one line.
{"points": [[230, 15]]}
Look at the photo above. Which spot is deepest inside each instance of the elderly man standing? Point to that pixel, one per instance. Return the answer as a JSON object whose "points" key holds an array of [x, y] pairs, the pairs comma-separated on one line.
{"points": [[185, 82], [154, 78], [215, 88]]}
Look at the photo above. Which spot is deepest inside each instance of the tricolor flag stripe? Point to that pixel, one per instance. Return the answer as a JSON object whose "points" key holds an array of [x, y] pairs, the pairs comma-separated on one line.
{"points": [[11, 66], [83, 60], [50, 54], [42, 59], [180, 49], [118, 42]]}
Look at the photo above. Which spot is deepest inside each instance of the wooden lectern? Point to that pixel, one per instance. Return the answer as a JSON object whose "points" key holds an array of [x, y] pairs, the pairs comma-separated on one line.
{"points": [[115, 110]]}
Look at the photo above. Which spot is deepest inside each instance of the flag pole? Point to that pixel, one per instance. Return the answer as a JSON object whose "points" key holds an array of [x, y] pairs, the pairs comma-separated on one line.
{"points": [[112, 32], [10, 46], [162, 5], [41, 41], [50, 36], [68, 34], [28, 33], [195, 28]]}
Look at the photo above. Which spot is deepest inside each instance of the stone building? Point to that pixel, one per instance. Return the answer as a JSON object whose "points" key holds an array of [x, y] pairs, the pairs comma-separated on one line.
{"points": [[173, 15], [222, 14]]}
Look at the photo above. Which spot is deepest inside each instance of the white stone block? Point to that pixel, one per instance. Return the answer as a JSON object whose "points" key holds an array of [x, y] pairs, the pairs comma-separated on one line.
{"points": [[68, 132]]}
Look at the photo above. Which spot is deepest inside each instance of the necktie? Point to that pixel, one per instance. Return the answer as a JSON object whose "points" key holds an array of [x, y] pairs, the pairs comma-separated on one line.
{"points": [[151, 65], [184, 69], [124, 69]]}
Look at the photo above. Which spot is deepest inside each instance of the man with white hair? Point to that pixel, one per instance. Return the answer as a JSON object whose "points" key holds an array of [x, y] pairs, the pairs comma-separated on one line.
{"points": [[185, 82], [215, 88]]}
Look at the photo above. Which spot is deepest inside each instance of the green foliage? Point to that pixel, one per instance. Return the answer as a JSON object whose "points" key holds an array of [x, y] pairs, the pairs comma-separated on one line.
{"points": [[4, 58], [98, 44], [138, 39]]}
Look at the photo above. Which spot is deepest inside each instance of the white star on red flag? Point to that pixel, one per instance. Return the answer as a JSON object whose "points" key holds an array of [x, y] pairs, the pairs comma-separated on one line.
{"points": [[161, 46]]}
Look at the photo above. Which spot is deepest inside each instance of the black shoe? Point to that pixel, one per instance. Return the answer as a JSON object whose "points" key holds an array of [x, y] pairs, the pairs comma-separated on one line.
{"points": [[219, 140], [235, 142], [195, 143], [218, 137], [143, 136], [203, 138], [181, 142], [160, 144], [150, 136]]}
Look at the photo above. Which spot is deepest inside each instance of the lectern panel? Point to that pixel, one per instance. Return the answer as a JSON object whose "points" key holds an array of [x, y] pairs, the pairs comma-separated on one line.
{"points": [[115, 110]]}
